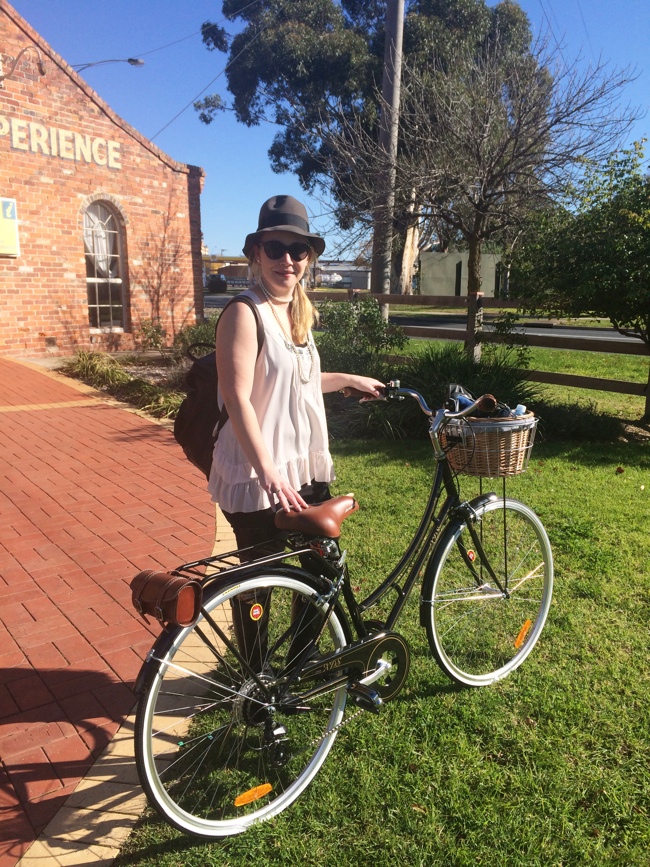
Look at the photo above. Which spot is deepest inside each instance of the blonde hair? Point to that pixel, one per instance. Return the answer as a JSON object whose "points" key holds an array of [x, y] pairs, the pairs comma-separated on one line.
{"points": [[302, 313]]}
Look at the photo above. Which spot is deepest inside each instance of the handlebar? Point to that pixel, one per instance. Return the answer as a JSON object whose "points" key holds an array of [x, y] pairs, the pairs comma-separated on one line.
{"points": [[485, 403], [393, 391]]}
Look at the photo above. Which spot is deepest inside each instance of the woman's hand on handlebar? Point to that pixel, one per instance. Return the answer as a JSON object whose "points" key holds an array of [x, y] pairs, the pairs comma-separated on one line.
{"points": [[364, 387]]}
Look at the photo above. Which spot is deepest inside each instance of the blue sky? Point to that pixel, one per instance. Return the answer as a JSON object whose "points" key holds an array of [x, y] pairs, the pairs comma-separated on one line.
{"points": [[238, 175]]}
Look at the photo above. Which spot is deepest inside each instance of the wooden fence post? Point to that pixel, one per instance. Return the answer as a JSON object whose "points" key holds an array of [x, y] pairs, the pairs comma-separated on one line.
{"points": [[474, 326]]}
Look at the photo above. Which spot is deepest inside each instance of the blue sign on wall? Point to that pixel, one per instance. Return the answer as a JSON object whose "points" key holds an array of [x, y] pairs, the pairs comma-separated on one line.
{"points": [[8, 228]]}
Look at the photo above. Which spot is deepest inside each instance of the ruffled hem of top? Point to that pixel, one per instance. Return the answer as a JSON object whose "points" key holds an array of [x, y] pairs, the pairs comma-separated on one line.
{"points": [[234, 495]]}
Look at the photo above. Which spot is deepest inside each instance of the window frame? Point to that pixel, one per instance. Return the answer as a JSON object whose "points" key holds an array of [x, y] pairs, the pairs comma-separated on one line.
{"points": [[111, 272]]}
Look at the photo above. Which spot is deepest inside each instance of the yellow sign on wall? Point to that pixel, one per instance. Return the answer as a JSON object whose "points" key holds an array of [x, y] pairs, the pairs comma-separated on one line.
{"points": [[8, 228]]}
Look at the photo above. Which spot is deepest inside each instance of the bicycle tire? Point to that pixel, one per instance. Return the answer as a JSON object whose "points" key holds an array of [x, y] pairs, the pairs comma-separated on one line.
{"points": [[209, 744], [477, 633]]}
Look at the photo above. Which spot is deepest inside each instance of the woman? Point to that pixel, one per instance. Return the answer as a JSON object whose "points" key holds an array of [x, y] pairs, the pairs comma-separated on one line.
{"points": [[273, 452]]}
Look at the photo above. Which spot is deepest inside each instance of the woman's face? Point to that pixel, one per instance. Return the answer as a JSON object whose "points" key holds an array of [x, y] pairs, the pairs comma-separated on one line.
{"points": [[281, 275]]}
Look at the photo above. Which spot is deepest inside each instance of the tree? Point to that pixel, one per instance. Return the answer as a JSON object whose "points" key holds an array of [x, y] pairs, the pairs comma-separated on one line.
{"points": [[591, 255], [487, 138], [314, 68]]}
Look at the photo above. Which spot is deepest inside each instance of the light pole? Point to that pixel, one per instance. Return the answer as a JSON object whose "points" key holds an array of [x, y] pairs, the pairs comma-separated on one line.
{"points": [[389, 125]]}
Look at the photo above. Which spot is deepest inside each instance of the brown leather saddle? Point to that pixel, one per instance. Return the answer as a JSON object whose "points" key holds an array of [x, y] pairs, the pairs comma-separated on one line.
{"points": [[323, 519]]}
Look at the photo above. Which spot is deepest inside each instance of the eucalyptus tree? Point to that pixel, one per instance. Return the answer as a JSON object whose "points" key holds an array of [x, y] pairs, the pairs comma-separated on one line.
{"points": [[493, 125], [314, 69]]}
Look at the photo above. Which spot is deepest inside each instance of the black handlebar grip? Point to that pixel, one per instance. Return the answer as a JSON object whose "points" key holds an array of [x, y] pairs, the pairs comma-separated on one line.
{"points": [[348, 391], [487, 403]]}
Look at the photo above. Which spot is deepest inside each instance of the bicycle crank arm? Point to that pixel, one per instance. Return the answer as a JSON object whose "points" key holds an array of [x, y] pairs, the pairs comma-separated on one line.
{"points": [[383, 667]]}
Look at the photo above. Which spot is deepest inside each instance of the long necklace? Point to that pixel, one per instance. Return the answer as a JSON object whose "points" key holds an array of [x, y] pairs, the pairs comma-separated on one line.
{"points": [[287, 341]]}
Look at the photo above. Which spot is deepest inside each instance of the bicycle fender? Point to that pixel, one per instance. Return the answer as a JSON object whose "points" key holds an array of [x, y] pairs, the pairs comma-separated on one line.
{"points": [[467, 510], [160, 646]]}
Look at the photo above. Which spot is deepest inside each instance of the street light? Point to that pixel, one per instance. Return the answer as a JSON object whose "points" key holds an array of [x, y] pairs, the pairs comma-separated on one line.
{"points": [[133, 61], [39, 64]]}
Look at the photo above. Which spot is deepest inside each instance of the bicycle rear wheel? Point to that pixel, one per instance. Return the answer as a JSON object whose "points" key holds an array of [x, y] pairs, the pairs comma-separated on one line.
{"points": [[480, 629], [220, 744]]}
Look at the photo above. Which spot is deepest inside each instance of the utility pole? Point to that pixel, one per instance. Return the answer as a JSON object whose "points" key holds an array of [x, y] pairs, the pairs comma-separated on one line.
{"points": [[388, 130]]}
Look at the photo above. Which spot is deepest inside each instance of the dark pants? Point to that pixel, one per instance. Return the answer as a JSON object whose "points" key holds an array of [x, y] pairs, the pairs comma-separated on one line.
{"points": [[251, 630]]}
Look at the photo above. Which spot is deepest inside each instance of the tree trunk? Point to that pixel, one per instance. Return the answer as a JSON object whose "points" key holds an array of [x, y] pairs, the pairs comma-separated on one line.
{"points": [[409, 257], [474, 266], [475, 311]]}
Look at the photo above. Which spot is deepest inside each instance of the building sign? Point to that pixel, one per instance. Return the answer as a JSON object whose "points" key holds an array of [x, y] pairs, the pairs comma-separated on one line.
{"points": [[8, 228], [65, 144]]}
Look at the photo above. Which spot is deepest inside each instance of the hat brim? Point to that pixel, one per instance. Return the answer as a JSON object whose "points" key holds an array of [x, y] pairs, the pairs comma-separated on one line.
{"points": [[316, 241]]}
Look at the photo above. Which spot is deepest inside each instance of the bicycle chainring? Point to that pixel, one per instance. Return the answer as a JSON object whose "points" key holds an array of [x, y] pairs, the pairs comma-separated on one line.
{"points": [[394, 650]]}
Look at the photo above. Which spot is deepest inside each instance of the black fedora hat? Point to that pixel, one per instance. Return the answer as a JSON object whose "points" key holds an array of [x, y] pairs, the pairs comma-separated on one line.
{"points": [[286, 214]]}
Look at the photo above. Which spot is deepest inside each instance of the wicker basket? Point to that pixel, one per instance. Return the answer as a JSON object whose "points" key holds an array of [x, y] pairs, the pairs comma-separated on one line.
{"points": [[489, 447]]}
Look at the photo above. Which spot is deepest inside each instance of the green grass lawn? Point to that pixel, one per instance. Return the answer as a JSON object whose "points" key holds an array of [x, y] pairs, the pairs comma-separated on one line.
{"points": [[550, 766], [606, 365]]}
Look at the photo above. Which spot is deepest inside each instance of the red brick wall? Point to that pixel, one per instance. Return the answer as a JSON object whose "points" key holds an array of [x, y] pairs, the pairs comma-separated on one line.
{"points": [[53, 176]]}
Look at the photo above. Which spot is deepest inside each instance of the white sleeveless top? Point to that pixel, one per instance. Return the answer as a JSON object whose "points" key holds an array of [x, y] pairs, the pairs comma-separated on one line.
{"points": [[292, 420]]}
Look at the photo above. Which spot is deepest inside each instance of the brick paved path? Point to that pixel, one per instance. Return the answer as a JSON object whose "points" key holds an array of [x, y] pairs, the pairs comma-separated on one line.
{"points": [[89, 494]]}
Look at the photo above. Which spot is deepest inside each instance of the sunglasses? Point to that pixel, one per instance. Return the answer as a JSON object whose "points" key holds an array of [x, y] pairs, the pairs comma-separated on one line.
{"points": [[276, 250]]}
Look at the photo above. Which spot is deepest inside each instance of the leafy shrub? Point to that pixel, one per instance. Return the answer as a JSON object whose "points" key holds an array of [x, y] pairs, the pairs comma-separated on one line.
{"points": [[574, 421], [430, 372], [105, 372], [499, 372], [356, 338], [150, 335], [202, 332]]}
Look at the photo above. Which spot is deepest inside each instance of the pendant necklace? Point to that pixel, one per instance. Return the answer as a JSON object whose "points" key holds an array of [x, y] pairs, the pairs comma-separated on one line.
{"points": [[287, 341]]}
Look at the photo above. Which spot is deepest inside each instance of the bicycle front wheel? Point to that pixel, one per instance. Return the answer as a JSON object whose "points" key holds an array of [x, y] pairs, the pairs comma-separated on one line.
{"points": [[484, 612], [224, 737]]}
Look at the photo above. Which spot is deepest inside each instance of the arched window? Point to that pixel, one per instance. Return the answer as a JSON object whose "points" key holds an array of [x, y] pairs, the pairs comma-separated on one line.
{"points": [[104, 267]]}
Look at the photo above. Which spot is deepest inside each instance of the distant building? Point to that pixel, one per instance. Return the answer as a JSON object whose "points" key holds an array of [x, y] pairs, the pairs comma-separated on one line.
{"points": [[446, 274], [233, 269], [339, 274], [99, 229]]}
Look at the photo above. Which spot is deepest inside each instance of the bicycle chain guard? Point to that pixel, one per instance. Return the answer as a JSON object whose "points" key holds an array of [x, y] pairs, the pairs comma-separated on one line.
{"points": [[359, 660]]}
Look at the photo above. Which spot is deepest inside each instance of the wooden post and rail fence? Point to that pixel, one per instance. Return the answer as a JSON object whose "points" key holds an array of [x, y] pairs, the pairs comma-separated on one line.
{"points": [[473, 334]]}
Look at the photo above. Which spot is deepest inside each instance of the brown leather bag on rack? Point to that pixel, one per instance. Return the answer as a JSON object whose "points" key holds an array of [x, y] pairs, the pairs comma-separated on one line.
{"points": [[172, 599]]}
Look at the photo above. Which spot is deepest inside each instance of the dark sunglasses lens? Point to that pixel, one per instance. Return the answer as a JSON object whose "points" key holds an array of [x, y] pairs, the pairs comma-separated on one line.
{"points": [[276, 250], [298, 252]]}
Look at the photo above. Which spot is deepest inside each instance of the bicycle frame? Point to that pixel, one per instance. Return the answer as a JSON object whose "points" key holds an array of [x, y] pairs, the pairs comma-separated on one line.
{"points": [[433, 519], [404, 576]]}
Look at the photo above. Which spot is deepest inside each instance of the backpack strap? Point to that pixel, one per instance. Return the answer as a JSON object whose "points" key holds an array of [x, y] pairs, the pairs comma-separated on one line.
{"points": [[242, 299]]}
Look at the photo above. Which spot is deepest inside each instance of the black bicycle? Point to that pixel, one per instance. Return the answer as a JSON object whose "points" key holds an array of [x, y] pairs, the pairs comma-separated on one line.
{"points": [[238, 712]]}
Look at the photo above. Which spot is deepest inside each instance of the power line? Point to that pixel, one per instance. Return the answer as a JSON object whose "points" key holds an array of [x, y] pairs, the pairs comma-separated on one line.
{"points": [[584, 24], [196, 33], [210, 83], [550, 29]]}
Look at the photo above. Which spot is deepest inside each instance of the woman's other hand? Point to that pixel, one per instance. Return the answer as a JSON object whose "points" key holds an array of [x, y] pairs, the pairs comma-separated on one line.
{"points": [[281, 492]]}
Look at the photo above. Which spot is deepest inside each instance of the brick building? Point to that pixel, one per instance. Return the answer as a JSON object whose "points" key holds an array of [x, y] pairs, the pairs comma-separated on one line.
{"points": [[100, 231]]}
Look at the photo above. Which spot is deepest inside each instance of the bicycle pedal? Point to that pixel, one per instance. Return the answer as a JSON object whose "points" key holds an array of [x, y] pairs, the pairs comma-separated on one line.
{"points": [[365, 697]]}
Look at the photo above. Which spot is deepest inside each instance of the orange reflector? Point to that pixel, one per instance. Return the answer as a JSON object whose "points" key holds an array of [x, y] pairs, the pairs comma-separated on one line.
{"points": [[523, 632], [253, 795]]}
